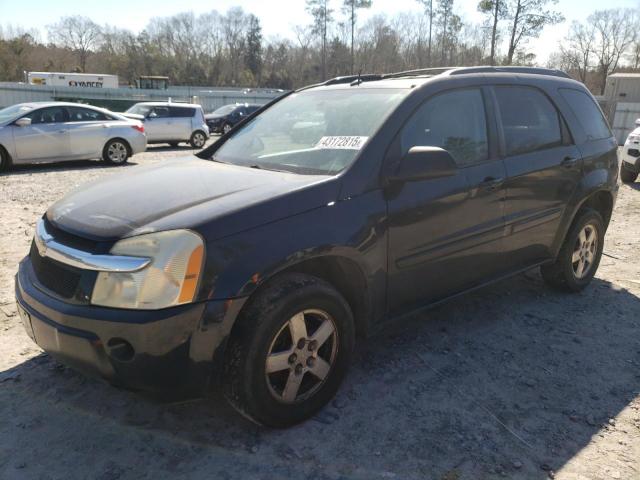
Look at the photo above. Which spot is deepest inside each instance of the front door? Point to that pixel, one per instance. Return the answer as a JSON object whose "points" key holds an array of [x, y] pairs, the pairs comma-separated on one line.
{"points": [[543, 170], [445, 235], [47, 138], [158, 124]]}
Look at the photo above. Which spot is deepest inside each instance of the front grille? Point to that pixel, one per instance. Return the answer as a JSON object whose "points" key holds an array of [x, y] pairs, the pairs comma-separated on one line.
{"points": [[57, 277]]}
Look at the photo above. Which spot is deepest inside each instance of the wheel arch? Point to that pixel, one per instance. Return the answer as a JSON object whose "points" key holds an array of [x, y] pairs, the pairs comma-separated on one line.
{"points": [[123, 140]]}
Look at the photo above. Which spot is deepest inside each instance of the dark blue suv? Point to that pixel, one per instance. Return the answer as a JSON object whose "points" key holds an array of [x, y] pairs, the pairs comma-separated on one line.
{"points": [[255, 266], [225, 118]]}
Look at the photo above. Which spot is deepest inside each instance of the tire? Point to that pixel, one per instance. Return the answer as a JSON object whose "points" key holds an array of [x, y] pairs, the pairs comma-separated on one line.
{"points": [[226, 128], [5, 160], [267, 326], [627, 176], [116, 152], [198, 139], [565, 273]]}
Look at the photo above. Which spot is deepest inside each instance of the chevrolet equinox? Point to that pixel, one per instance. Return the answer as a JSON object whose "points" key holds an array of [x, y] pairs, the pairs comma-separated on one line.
{"points": [[254, 267]]}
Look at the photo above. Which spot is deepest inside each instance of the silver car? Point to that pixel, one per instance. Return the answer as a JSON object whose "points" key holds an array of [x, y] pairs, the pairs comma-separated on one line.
{"points": [[172, 123], [42, 132]]}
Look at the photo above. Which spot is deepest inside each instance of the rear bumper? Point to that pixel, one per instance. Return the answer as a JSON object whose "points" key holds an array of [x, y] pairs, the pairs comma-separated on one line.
{"points": [[630, 156], [178, 349], [138, 144]]}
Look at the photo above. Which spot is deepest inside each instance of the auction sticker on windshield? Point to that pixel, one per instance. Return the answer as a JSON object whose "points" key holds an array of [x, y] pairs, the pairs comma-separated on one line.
{"points": [[342, 143]]}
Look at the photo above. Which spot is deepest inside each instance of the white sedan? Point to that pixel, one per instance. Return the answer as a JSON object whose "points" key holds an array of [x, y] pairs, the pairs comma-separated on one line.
{"points": [[42, 132]]}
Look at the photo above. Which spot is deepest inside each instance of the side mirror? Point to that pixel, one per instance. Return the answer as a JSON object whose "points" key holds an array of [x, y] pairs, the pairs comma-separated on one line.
{"points": [[23, 122], [423, 163], [637, 122], [152, 115]]}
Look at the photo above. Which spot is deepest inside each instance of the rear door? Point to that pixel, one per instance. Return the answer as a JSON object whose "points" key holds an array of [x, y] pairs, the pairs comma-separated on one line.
{"points": [[87, 132], [47, 138], [543, 170], [445, 235], [181, 119], [158, 124]]}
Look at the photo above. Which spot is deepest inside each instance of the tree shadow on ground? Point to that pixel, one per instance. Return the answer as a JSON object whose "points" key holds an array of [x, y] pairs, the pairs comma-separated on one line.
{"points": [[511, 381]]}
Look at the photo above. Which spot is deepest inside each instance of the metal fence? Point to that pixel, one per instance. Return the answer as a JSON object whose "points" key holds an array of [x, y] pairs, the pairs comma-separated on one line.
{"points": [[119, 99]]}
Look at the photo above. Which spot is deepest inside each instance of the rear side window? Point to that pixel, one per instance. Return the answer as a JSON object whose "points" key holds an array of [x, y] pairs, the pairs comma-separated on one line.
{"points": [[182, 112], [588, 113], [454, 121], [529, 120]]}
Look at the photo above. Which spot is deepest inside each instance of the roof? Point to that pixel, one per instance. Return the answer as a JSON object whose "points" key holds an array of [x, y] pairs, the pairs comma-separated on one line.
{"points": [[625, 75], [413, 78], [169, 104], [56, 104]]}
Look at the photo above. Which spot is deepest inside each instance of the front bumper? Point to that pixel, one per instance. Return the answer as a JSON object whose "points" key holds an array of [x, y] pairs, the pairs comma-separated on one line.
{"points": [[178, 349], [630, 156]]}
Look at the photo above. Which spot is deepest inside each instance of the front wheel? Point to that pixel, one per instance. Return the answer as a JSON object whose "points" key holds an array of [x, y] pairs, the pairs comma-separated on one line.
{"points": [[290, 351], [627, 176], [579, 255], [198, 139], [226, 128], [116, 152]]}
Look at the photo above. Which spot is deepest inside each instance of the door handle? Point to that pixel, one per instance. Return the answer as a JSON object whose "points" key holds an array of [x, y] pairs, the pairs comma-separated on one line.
{"points": [[569, 162], [491, 183]]}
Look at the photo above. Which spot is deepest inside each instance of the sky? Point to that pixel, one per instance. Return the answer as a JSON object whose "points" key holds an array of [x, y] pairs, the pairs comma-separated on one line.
{"points": [[277, 16]]}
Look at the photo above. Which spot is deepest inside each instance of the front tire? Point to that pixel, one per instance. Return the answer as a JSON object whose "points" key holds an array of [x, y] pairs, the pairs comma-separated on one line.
{"points": [[226, 128], [5, 160], [198, 139], [627, 176], [289, 352], [116, 152], [579, 255]]}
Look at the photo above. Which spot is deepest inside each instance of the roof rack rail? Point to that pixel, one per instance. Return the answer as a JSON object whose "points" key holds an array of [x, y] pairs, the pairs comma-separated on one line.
{"points": [[507, 69], [419, 71]]}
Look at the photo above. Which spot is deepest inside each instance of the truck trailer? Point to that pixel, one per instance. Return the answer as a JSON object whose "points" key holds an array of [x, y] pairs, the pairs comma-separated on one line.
{"points": [[81, 80]]}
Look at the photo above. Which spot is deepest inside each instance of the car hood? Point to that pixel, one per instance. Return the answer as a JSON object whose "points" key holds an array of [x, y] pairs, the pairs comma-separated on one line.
{"points": [[187, 193]]}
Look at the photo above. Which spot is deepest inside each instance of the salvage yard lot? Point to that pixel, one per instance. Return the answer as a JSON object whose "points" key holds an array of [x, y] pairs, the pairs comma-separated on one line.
{"points": [[512, 381]]}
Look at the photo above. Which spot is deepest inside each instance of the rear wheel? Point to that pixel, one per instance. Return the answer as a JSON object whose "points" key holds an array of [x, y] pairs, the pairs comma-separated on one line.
{"points": [[116, 152], [627, 176], [580, 254], [5, 160], [198, 139], [290, 351]]}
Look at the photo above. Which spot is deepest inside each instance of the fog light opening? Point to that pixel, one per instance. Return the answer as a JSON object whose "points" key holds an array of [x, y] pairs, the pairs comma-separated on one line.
{"points": [[120, 349]]}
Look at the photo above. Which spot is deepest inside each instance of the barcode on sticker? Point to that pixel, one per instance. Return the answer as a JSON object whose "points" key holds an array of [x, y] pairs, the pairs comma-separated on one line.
{"points": [[345, 143]]}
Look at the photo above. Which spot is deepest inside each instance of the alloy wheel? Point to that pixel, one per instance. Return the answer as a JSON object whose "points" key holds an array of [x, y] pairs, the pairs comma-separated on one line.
{"points": [[117, 152], [301, 356], [584, 252], [198, 140]]}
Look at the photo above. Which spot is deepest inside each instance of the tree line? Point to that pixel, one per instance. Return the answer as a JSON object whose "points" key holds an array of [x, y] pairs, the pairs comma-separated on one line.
{"points": [[230, 49]]}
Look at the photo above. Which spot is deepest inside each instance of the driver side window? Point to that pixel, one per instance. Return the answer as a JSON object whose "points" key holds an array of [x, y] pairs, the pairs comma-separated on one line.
{"points": [[454, 121]]}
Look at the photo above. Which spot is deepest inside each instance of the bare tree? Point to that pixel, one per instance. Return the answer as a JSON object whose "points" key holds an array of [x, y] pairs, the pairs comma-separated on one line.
{"points": [[322, 17], [615, 32], [428, 8], [350, 8], [495, 10], [80, 34], [577, 49], [528, 18]]}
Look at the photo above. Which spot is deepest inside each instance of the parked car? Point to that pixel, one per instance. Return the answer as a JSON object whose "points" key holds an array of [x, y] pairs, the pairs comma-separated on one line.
{"points": [[172, 123], [41, 132], [225, 118], [255, 266], [630, 156]]}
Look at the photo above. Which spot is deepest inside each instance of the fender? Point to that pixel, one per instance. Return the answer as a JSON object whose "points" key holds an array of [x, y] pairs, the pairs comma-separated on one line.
{"points": [[598, 179], [240, 264]]}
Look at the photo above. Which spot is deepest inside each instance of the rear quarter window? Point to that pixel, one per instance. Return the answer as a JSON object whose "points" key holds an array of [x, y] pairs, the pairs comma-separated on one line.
{"points": [[588, 113], [182, 112]]}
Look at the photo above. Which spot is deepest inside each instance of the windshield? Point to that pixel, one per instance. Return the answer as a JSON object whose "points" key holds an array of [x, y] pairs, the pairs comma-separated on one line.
{"points": [[311, 132], [140, 109], [14, 111], [224, 110]]}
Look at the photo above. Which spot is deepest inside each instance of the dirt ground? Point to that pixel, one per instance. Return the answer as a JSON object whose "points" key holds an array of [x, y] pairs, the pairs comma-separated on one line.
{"points": [[514, 381]]}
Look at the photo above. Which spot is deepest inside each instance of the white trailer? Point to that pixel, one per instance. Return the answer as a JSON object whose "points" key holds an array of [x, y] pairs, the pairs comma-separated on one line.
{"points": [[81, 80]]}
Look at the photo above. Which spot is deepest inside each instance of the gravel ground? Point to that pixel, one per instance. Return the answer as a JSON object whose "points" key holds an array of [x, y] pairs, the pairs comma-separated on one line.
{"points": [[512, 381]]}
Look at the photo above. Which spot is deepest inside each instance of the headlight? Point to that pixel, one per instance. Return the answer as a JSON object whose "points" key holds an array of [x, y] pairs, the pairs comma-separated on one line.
{"points": [[170, 279]]}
